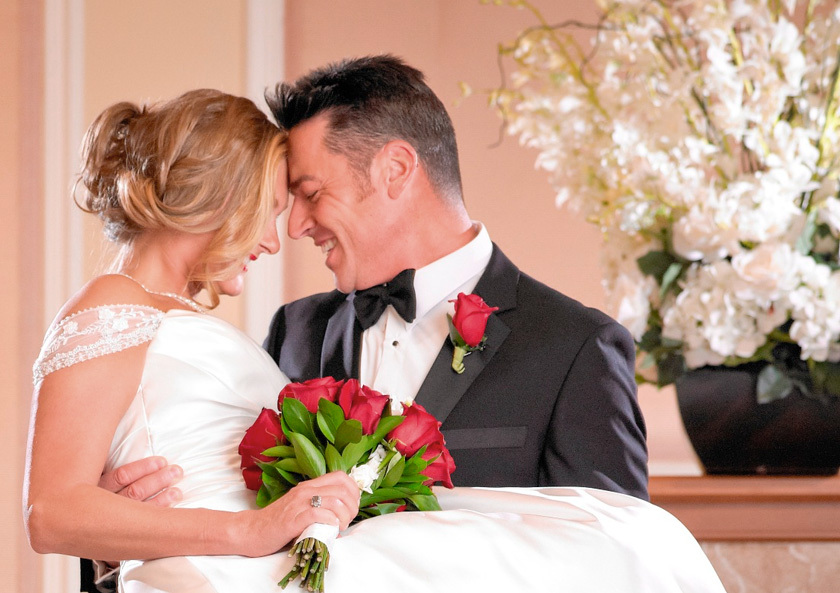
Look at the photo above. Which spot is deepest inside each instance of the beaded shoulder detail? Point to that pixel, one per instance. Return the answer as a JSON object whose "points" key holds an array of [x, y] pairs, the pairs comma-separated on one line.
{"points": [[95, 332]]}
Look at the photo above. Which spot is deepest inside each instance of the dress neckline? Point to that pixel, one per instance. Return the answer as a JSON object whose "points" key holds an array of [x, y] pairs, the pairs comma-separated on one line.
{"points": [[181, 299]]}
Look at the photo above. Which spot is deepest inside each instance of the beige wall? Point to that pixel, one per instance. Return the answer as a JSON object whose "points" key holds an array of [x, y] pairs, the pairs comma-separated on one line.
{"points": [[154, 49], [20, 89]]}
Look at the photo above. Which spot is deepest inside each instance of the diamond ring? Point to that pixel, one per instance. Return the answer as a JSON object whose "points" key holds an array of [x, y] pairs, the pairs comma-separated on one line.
{"points": [[315, 501]]}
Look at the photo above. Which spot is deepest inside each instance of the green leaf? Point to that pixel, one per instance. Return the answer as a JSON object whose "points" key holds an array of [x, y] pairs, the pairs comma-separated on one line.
{"points": [[380, 495], [279, 451], [385, 508], [670, 342], [264, 498], [805, 241], [394, 472], [287, 479], [669, 277], [650, 339], [298, 419], [425, 502], [383, 465], [414, 489], [289, 464], [353, 452], [454, 334], [329, 418], [825, 377], [647, 362], [272, 488], [309, 458], [349, 431], [656, 264], [335, 463], [291, 478], [772, 384], [386, 425], [669, 368], [416, 464]]}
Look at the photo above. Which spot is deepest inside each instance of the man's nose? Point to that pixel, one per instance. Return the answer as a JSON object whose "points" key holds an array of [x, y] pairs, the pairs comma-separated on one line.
{"points": [[300, 220]]}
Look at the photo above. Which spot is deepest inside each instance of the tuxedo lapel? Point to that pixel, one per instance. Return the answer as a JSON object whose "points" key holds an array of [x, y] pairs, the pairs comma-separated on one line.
{"points": [[443, 387], [340, 349]]}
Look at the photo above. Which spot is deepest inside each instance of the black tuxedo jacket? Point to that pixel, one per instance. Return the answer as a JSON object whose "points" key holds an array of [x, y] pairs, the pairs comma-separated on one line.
{"points": [[550, 401]]}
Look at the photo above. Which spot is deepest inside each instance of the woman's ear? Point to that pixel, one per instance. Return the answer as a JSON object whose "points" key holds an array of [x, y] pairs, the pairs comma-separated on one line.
{"points": [[400, 162]]}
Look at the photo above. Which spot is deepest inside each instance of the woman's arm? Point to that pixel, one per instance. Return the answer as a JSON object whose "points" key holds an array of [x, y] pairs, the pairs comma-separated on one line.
{"points": [[74, 416]]}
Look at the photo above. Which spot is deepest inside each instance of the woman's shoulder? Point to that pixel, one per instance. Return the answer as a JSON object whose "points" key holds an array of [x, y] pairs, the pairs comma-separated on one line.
{"points": [[108, 290], [106, 316]]}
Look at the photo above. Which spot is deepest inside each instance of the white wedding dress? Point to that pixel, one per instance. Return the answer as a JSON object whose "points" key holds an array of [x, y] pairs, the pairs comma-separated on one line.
{"points": [[203, 385]]}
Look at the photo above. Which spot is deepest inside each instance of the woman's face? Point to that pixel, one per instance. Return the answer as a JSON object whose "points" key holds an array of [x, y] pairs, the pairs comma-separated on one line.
{"points": [[269, 242]]}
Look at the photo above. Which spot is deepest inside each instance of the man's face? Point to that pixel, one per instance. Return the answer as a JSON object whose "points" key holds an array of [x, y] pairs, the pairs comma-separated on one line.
{"points": [[330, 206]]}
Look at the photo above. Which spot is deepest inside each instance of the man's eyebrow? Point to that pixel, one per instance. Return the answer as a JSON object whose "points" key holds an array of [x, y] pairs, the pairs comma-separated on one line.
{"points": [[295, 184]]}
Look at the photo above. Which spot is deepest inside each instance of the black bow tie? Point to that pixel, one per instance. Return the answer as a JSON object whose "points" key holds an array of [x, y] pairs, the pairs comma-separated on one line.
{"points": [[399, 293]]}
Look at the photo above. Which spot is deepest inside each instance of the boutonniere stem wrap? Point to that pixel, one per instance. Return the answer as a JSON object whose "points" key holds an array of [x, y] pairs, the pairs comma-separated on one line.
{"points": [[467, 326]]}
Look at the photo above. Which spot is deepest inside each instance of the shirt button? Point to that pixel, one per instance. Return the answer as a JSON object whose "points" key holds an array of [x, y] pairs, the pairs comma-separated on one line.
{"points": [[395, 343]]}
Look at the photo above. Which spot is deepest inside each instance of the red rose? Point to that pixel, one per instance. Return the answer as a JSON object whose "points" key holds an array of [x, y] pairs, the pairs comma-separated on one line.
{"points": [[419, 428], [264, 433], [470, 319], [440, 470], [362, 403], [310, 392]]}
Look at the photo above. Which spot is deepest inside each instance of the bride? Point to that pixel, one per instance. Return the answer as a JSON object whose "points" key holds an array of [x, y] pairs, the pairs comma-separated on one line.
{"points": [[133, 366]]}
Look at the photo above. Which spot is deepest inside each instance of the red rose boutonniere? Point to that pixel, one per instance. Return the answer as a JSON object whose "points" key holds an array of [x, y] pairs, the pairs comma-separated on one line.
{"points": [[466, 328]]}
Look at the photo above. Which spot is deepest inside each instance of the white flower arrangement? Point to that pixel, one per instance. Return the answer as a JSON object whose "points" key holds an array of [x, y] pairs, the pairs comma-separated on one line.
{"points": [[701, 136]]}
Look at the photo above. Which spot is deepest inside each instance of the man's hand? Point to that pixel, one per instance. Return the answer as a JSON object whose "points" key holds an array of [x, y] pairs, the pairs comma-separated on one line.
{"points": [[150, 479]]}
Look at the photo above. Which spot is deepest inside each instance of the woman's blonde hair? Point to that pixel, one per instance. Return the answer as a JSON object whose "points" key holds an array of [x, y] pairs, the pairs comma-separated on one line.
{"points": [[205, 161]]}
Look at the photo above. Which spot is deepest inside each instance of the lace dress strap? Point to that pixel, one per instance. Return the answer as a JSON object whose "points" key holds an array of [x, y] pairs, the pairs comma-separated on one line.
{"points": [[95, 332]]}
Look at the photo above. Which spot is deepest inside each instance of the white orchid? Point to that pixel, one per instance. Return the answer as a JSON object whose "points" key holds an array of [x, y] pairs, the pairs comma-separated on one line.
{"points": [[703, 138]]}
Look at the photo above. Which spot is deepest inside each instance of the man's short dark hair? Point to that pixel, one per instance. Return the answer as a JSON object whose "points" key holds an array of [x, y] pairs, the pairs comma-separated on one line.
{"points": [[370, 101]]}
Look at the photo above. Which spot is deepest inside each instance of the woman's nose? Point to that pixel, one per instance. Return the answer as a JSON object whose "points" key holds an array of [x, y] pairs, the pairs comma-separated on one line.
{"points": [[271, 240]]}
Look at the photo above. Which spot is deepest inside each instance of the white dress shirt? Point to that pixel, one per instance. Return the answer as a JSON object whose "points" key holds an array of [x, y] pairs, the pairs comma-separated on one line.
{"points": [[397, 356]]}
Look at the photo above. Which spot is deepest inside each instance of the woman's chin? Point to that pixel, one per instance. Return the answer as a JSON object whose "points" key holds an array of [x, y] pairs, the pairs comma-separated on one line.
{"points": [[232, 287]]}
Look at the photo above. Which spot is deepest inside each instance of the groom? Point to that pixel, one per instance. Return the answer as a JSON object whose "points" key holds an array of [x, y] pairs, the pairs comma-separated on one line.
{"points": [[374, 173]]}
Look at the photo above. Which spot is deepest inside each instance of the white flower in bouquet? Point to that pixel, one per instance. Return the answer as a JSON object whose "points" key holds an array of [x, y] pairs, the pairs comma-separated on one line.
{"points": [[702, 139], [366, 474]]}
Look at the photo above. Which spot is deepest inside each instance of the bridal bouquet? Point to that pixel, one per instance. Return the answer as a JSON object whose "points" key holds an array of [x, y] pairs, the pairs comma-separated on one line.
{"points": [[393, 452], [702, 139]]}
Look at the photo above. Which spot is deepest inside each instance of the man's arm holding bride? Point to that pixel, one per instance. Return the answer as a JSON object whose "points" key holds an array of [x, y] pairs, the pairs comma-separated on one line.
{"points": [[150, 480]]}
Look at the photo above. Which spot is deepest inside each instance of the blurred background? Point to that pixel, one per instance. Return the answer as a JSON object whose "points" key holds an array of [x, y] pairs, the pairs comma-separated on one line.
{"points": [[63, 61]]}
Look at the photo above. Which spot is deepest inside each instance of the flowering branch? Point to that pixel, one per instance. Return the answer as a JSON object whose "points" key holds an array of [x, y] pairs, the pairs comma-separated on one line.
{"points": [[703, 138]]}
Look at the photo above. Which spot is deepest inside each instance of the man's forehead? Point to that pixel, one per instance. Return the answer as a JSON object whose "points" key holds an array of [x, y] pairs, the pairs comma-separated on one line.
{"points": [[307, 135]]}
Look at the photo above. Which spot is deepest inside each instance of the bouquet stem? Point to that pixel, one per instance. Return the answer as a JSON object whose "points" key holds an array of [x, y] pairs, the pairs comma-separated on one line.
{"points": [[312, 559]]}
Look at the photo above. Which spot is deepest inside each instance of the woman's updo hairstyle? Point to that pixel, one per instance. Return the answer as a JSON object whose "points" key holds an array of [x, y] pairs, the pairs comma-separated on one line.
{"points": [[205, 161]]}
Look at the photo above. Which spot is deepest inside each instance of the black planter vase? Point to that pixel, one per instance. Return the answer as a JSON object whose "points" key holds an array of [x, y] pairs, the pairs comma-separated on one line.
{"points": [[733, 434]]}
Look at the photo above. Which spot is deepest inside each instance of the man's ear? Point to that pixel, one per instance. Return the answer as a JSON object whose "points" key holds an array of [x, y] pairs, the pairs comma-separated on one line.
{"points": [[400, 163]]}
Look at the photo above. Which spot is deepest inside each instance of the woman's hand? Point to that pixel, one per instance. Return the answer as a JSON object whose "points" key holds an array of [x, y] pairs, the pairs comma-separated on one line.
{"points": [[273, 527]]}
